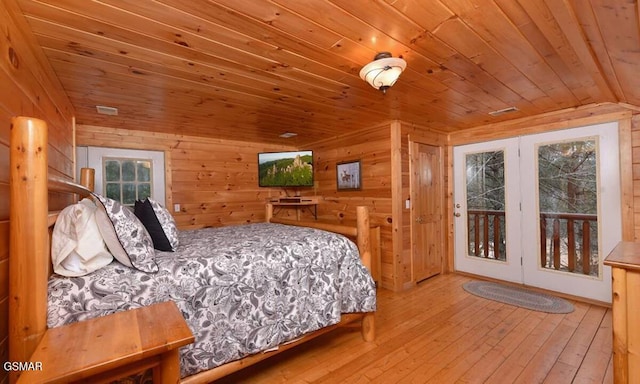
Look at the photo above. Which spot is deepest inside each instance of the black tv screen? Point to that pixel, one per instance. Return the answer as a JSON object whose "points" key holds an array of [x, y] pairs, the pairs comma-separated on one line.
{"points": [[285, 169]]}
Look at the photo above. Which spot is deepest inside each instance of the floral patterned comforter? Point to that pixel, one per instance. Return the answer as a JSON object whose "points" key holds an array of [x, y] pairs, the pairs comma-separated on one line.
{"points": [[242, 289]]}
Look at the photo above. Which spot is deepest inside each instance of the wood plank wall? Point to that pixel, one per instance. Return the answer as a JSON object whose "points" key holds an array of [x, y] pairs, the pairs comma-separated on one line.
{"points": [[384, 154], [635, 144], [27, 88], [214, 181], [372, 148]]}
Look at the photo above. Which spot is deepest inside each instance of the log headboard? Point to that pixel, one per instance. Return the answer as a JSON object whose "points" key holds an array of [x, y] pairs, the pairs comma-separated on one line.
{"points": [[30, 219]]}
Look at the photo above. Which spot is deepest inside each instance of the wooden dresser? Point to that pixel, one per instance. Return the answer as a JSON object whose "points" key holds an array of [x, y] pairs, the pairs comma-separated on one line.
{"points": [[624, 260]]}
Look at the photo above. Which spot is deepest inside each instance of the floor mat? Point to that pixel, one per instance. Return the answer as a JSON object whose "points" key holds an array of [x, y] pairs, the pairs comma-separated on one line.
{"points": [[517, 296]]}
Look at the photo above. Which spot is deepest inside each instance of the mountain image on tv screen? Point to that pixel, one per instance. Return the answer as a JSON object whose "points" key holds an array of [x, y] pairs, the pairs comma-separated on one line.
{"points": [[285, 169]]}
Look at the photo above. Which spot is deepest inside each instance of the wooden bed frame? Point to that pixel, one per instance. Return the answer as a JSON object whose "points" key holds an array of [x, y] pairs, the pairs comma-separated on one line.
{"points": [[30, 260]]}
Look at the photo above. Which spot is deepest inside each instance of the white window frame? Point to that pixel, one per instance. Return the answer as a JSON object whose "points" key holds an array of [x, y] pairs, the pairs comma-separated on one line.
{"points": [[92, 157]]}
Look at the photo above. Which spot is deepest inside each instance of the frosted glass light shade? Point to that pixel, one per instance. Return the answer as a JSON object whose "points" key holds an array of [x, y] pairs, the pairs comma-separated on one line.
{"points": [[383, 71]]}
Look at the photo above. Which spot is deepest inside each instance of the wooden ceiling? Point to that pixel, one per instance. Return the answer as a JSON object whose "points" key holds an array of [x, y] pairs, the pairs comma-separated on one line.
{"points": [[254, 69]]}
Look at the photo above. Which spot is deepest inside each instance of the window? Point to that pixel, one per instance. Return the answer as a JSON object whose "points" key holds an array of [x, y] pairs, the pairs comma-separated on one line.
{"points": [[127, 180], [125, 174]]}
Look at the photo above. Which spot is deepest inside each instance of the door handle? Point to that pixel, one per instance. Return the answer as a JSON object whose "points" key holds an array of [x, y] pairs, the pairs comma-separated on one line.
{"points": [[457, 214]]}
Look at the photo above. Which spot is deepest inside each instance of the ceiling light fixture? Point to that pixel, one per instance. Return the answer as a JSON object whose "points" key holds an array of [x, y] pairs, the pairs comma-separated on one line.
{"points": [[383, 71], [287, 135]]}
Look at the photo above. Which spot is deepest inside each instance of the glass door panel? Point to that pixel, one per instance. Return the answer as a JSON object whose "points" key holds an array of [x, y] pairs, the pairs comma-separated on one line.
{"points": [[568, 201], [486, 192], [571, 209], [485, 205]]}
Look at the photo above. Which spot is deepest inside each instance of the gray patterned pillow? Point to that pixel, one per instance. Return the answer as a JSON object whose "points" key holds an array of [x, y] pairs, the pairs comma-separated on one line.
{"points": [[125, 236], [167, 222]]}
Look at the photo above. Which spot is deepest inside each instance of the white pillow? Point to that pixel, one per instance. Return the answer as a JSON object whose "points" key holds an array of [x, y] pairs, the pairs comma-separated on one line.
{"points": [[77, 247]]}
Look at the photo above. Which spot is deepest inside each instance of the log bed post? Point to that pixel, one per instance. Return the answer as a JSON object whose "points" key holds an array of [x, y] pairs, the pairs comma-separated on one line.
{"points": [[87, 178], [364, 245], [268, 212], [28, 239], [363, 238]]}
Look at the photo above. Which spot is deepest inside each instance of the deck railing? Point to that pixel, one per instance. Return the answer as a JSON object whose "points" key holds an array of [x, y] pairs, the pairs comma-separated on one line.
{"points": [[566, 223], [486, 233], [565, 239]]}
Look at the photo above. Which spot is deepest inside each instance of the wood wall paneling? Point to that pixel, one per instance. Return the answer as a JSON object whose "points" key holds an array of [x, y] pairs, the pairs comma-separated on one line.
{"points": [[404, 219], [372, 147], [635, 172], [399, 269], [626, 177], [36, 82], [28, 87], [449, 209], [214, 181]]}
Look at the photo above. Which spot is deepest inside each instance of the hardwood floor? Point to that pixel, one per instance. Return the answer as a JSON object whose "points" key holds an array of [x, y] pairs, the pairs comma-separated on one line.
{"points": [[439, 333]]}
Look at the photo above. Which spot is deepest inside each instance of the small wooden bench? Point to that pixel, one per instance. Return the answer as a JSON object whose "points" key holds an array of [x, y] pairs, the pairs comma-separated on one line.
{"points": [[114, 346]]}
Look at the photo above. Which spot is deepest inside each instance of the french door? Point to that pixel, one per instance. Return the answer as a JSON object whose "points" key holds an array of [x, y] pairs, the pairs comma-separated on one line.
{"points": [[542, 210]]}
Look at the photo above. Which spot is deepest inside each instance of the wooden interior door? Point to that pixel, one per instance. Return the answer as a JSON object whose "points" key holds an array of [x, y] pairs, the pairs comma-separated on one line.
{"points": [[426, 211]]}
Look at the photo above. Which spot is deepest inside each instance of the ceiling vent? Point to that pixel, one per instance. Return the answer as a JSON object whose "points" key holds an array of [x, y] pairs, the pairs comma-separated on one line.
{"points": [[107, 110], [503, 111]]}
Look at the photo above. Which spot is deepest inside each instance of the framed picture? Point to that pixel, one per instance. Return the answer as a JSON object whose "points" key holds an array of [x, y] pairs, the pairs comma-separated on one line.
{"points": [[348, 176]]}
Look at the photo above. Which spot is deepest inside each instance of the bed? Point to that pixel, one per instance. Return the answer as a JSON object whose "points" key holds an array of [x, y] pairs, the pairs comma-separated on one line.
{"points": [[225, 314]]}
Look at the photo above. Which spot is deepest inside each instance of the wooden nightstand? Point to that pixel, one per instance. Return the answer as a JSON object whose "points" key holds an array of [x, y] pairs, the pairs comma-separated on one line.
{"points": [[112, 347]]}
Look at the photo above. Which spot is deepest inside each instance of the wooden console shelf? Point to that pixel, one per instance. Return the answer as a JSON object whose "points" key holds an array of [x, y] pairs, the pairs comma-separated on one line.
{"points": [[115, 346], [297, 202], [624, 261]]}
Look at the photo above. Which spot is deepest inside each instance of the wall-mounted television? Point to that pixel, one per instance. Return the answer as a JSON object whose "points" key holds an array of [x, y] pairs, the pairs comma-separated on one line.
{"points": [[285, 169]]}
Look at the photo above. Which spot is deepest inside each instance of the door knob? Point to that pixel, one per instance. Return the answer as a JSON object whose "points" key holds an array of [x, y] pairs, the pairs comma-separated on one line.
{"points": [[457, 214], [419, 220]]}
